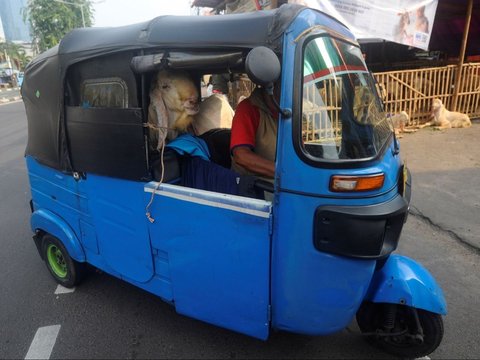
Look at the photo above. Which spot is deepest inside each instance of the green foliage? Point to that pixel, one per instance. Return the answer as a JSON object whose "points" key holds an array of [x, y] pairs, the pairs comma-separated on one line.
{"points": [[16, 54], [50, 20]]}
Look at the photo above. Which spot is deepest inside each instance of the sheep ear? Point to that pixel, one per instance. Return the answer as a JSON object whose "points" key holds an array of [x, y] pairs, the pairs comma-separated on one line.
{"points": [[161, 117], [161, 109], [154, 83]]}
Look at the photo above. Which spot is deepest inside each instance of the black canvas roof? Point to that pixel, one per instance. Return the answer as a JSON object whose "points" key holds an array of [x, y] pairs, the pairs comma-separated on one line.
{"points": [[43, 88], [245, 30]]}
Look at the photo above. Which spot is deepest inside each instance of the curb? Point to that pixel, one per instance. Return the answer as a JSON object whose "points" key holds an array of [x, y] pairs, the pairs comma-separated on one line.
{"points": [[7, 100], [9, 89]]}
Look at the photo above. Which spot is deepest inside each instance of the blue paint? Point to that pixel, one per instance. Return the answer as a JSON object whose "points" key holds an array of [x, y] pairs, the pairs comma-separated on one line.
{"points": [[218, 258], [211, 262], [403, 281], [229, 260], [295, 174], [312, 292], [117, 208], [53, 224]]}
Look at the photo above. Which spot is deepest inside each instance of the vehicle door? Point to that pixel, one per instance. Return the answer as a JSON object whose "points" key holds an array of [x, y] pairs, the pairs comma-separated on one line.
{"points": [[104, 123], [214, 251]]}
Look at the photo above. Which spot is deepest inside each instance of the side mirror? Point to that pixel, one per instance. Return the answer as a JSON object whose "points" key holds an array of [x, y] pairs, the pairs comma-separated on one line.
{"points": [[262, 66]]}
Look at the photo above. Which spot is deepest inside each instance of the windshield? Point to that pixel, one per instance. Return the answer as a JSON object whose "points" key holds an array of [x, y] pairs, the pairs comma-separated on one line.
{"points": [[342, 118]]}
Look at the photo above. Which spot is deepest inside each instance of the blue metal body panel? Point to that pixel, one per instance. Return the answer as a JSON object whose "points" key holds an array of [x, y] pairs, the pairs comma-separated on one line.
{"points": [[215, 250], [215, 268], [105, 215], [53, 224], [296, 175], [313, 292], [56, 206], [403, 281], [118, 211], [226, 259]]}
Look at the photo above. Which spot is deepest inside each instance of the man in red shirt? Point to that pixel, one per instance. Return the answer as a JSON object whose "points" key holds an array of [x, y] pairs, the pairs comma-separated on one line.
{"points": [[254, 135]]}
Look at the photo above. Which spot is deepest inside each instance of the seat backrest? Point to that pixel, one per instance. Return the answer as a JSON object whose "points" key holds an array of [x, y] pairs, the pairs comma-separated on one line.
{"points": [[206, 175], [218, 142], [172, 163]]}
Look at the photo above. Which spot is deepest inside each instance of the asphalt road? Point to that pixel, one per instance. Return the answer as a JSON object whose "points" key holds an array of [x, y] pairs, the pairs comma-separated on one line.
{"points": [[108, 318], [447, 179]]}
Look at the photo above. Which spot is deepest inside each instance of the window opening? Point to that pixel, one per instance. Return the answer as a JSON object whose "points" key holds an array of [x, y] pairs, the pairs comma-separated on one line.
{"points": [[342, 118], [104, 93]]}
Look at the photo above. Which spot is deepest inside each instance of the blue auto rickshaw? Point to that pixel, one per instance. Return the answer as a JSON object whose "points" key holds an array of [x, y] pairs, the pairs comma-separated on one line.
{"points": [[309, 260]]}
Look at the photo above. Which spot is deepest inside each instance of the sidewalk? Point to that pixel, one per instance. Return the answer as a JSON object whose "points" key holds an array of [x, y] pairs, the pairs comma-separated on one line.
{"points": [[445, 167], [9, 94], [7, 89]]}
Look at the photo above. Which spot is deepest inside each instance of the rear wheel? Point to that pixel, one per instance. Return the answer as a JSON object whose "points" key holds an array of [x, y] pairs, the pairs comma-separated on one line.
{"points": [[62, 267], [395, 329]]}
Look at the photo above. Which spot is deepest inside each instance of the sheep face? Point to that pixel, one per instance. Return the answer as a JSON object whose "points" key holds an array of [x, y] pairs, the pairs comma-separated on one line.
{"points": [[178, 91]]}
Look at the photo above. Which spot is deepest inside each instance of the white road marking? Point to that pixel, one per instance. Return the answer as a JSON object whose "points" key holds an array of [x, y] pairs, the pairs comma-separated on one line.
{"points": [[43, 342], [423, 358], [63, 290]]}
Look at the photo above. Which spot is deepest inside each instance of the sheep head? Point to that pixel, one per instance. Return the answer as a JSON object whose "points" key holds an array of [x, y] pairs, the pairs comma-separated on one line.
{"points": [[178, 92]]}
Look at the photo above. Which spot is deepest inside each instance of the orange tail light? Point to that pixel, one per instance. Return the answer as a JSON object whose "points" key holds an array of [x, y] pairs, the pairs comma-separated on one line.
{"points": [[340, 183]]}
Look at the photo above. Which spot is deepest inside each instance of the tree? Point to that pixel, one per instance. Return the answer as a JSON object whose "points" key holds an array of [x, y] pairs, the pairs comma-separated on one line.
{"points": [[16, 54], [50, 20]]}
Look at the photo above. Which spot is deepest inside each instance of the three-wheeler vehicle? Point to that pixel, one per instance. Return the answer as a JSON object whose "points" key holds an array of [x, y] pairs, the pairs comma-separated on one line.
{"points": [[309, 260]]}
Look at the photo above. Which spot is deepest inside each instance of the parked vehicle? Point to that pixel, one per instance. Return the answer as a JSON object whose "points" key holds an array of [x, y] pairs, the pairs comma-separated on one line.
{"points": [[20, 79], [309, 261]]}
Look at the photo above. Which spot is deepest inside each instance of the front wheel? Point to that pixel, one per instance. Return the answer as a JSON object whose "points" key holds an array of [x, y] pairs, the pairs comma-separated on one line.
{"points": [[66, 271], [400, 330]]}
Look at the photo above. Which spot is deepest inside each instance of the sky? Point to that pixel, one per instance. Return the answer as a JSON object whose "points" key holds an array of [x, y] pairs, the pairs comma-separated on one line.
{"points": [[125, 12]]}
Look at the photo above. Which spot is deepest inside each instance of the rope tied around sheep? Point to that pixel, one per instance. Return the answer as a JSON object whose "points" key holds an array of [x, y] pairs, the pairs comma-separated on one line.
{"points": [[157, 127], [147, 208], [166, 128]]}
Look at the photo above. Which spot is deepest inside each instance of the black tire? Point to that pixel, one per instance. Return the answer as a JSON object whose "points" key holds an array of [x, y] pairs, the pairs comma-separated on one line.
{"points": [[66, 271], [370, 317]]}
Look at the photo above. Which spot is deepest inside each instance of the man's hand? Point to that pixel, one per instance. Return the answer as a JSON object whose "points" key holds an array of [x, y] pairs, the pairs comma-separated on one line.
{"points": [[246, 158]]}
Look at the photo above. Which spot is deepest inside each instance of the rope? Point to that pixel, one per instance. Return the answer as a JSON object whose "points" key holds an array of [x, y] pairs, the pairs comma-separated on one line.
{"points": [[147, 208], [164, 130]]}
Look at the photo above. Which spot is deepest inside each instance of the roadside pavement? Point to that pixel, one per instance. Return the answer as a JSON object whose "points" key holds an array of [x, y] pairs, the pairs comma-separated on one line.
{"points": [[9, 94], [445, 167]]}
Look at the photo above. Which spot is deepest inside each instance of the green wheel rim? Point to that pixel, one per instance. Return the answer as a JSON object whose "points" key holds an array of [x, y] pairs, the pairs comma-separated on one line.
{"points": [[56, 261]]}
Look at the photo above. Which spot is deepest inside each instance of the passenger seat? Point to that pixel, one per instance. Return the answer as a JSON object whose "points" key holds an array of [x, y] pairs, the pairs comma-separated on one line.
{"points": [[218, 142]]}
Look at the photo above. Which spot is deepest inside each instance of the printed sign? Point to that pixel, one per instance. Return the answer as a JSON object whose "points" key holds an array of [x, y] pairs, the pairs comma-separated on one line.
{"points": [[407, 22]]}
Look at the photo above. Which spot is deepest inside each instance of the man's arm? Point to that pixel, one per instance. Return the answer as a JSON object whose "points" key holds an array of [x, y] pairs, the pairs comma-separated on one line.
{"points": [[246, 158]]}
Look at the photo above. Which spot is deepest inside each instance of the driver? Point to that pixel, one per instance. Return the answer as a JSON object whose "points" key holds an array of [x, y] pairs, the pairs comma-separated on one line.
{"points": [[254, 135]]}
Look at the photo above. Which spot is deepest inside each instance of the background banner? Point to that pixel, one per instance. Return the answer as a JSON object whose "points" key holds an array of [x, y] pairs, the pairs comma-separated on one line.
{"points": [[407, 22]]}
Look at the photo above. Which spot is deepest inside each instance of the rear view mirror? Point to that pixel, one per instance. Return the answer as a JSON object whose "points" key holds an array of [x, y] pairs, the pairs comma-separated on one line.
{"points": [[262, 66]]}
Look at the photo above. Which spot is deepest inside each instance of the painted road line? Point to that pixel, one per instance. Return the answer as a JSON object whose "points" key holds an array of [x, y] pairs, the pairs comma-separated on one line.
{"points": [[63, 290], [43, 342], [423, 358]]}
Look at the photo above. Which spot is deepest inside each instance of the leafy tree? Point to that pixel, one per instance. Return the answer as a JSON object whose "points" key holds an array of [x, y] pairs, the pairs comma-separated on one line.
{"points": [[50, 20], [16, 54]]}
